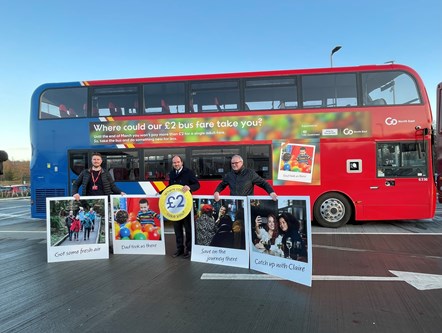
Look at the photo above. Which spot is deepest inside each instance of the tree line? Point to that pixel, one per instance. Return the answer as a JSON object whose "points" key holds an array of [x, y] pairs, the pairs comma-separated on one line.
{"points": [[15, 172]]}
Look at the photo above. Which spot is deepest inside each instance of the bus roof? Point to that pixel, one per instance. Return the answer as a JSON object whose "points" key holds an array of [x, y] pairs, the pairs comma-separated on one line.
{"points": [[324, 70]]}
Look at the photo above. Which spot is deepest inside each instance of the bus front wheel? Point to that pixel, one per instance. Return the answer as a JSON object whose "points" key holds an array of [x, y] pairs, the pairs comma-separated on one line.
{"points": [[332, 210]]}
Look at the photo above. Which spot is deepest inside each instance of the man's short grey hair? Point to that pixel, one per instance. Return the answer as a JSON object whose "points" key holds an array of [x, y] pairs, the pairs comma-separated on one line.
{"points": [[238, 157]]}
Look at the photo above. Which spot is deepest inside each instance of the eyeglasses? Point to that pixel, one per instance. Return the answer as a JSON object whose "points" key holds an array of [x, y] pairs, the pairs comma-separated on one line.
{"points": [[235, 163]]}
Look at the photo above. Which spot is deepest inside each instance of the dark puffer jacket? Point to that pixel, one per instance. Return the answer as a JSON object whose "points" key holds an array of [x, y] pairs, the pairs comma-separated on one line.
{"points": [[242, 183], [85, 177]]}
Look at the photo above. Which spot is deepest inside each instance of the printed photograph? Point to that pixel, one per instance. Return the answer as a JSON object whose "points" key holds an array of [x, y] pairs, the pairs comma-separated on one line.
{"points": [[219, 231], [77, 230], [74, 222], [137, 225], [296, 162], [219, 224], [279, 228], [136, 218]]}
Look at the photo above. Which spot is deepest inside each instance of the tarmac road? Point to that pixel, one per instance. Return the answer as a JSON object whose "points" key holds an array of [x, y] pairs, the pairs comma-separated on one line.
{"points": [[371, 277]]}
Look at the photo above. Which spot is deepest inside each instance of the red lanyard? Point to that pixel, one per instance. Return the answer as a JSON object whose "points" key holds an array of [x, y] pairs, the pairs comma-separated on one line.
{"points": [[94, 180]]}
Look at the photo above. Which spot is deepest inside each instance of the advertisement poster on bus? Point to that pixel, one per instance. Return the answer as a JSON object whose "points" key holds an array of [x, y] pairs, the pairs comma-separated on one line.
{"points": [[280, 237], [77, 230], [134, 132], [296, 162], [218, 231], [137, 225]]}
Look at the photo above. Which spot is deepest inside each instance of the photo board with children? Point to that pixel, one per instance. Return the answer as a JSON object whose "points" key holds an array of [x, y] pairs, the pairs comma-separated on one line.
{"points": [[137, 225], [77, 230]]}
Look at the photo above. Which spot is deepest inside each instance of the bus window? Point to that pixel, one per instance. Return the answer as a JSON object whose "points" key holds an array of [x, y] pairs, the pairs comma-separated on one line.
{"points": [[269, 94], [158, 162], [214, 96], [122, 165], [389, 88], [164, 98], [258, 158], [406, 159], [63, 103], [78, 162], [115, 101], [213, 162], [329, 90]]}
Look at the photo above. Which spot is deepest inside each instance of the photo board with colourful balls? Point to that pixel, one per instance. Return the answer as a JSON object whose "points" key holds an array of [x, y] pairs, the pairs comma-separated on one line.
{"points": [[77, 230], [137, 225], [219, 231]]}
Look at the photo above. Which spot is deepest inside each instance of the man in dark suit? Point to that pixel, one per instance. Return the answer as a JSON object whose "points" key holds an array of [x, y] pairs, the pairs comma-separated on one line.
{"points": [[186, 177]]}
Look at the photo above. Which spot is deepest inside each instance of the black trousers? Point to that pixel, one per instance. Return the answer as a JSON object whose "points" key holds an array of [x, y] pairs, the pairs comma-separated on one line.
{"points": [[179, 234]]}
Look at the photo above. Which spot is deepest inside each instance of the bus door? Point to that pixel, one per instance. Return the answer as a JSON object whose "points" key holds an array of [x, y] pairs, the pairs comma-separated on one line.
{"points": [[78, 161], [403, 183]]}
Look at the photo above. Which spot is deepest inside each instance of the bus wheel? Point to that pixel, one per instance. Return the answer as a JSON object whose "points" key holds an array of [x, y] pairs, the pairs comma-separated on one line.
{"points": [[332, 210]]}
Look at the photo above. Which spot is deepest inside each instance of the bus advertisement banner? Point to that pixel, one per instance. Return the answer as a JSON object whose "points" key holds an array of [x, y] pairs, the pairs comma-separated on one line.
{"points": [[138, 226], [218, 231], [136, 132], [77, 230], [280, 236]]}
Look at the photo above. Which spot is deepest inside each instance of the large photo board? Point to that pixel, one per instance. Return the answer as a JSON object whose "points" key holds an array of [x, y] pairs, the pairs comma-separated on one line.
{"points": [[77, 230], [219, 231], [137, 225], [280, 237]]}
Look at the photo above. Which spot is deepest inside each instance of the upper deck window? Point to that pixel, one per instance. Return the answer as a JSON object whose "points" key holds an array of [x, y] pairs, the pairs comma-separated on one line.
{"points": [[63, 103], [164, 98], [114, 101], [389, 88], [214, 96], [329, 90], [269, 94]]}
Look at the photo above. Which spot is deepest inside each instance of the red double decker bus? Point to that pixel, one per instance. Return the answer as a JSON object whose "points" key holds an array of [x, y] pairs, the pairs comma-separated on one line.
{"points": [[357, 140]]}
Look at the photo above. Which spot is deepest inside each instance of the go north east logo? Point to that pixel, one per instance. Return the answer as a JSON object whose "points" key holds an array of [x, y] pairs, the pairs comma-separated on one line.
{"points": [[389, 121], [348, 131]]}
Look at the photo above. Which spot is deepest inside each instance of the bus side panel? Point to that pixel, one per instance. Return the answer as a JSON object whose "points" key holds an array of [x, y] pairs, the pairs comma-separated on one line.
{"points": [[374, 198]]}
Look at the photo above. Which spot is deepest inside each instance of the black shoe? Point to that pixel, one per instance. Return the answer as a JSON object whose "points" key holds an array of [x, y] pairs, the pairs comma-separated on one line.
{"points": [[177, 253], [186, 255]]}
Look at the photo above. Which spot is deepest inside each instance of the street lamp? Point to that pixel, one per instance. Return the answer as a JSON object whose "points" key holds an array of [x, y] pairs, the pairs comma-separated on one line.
{"points": [[336, 49]]}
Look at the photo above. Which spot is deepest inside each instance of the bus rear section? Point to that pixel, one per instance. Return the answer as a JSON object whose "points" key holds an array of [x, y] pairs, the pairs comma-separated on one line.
{"points": [[438, 140]]}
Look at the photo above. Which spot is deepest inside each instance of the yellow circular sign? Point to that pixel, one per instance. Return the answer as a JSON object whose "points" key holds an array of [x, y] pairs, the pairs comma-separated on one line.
{"points": [[174, 203]]}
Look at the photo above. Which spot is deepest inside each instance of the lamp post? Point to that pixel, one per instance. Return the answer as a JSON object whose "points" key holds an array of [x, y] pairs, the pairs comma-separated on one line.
{"points": [[336, 49]]}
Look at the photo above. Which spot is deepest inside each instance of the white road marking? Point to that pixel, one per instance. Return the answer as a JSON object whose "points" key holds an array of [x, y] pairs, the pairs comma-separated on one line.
{"points": [[419, 281]]}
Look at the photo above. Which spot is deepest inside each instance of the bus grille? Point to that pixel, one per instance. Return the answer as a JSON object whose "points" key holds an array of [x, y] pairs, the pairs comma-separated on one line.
{"points": [[41, 195]]}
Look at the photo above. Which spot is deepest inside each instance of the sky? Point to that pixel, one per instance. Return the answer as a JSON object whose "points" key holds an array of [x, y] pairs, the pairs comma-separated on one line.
{"points": [[63, 41]]}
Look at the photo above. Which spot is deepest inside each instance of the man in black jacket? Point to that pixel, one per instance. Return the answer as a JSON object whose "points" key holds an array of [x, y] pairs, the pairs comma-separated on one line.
{"points": [[186, 177], [241, 180], [95, 181]]}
